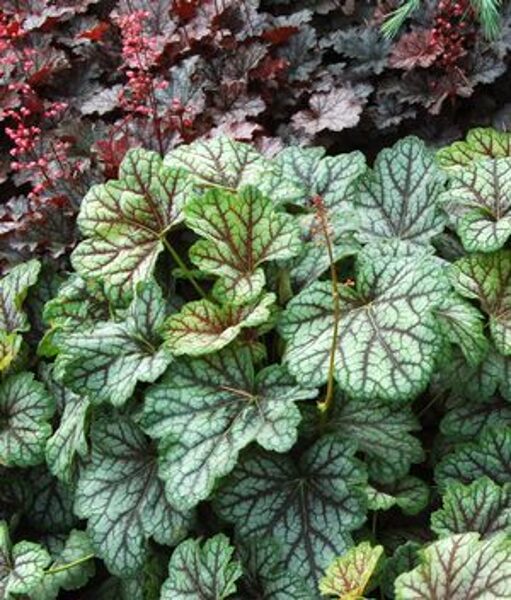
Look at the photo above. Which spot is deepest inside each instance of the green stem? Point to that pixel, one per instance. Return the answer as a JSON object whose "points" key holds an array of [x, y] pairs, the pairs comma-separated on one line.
{"points": [[184, 268], [325, 405], [70, 565]]}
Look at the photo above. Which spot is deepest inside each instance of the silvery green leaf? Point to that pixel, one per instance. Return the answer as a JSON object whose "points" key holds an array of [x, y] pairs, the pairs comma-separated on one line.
{"points": [[388, 339], [310, 506], [206, 410], [398, 199], [25, 411], [459, 567], [124, 222], [106, 362], [481, 506], [122, 498], [478, 203], [205, 571]]}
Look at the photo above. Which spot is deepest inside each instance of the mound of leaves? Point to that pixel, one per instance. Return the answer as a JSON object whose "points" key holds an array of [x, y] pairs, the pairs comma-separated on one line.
{"points": [[83, 82], [284, 379]]}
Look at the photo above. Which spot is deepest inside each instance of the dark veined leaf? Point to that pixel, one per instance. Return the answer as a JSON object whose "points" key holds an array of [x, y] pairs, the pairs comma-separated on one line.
{"points": [[478, 382], [203, 327], [466, 419], [404, 559], [78, 305], [50, 507], [265, 574], [410, 494], [459, 567], [121, 496], [382, 432], [331, 179], [124, 222], [206, 571], [478, 203], [106, 362], [487, 278], [398, 199], [348, 576], [21, 566], [225, 163], [13, 290], [206, 410], [309, 507], [489, 456], [481, 143], [463, 325], [388, 338], [314, 174], [60, 574], [314, 259], [25, 411], [481, 506], [242, 231], [69, 440]]}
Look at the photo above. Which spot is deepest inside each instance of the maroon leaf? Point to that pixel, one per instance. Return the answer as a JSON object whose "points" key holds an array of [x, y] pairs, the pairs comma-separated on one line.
{"points": [[335, 111], [415, 49]]}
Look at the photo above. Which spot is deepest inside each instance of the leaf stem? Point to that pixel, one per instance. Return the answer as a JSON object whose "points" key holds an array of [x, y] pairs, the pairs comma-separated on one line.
{"points": [[70, 565], [325, 405], [184, 268]]}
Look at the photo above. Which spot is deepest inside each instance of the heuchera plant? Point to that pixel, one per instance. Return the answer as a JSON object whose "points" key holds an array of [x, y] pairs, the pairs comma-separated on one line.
{"points": [[282, 378], [84, 81]]}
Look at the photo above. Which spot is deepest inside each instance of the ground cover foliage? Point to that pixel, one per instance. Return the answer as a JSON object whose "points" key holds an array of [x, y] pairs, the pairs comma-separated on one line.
{"points": [[82, 82], [280, 378]]}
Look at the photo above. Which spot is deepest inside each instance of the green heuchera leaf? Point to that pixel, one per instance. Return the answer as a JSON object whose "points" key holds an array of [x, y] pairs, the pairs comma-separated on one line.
{"points": [[242, 231], [399, 198], [314, 258], [467, 419], [489, 456], [479, 382], [49, 508], [310, 507], [106, 362], [487, 278], [348, 576], [124, 222], [206, 410], [460, 567], [404, 559], [478, 203], [265, 574], [225, 163], [208, 572], [382, 433], [388, 338], [462, 324], [481, 506], [330, 177], [13, 291], [78, 305], [69, 441], [410, 494], [481, 143], [60, 575], [25, 411], [120, 494], [203, 327], [21, 566]]}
